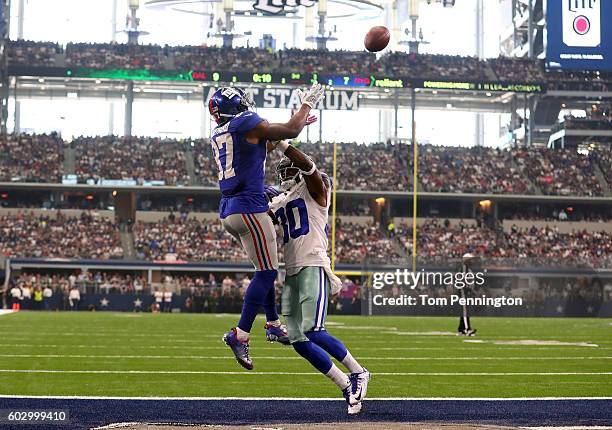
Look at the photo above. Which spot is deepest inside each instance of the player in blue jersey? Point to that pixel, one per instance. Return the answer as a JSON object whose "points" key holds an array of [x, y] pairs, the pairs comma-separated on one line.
{"points": [[240, 143]]}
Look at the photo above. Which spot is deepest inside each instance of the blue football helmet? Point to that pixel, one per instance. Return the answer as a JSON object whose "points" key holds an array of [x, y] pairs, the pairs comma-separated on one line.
{"points": [[227, 102]]}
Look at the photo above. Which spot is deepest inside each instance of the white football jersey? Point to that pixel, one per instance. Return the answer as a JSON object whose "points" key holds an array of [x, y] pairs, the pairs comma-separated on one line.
{"points": [[304, 225]]}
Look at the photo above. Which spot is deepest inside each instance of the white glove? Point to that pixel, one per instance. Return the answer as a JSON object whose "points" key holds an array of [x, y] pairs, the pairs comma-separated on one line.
{"points": [[312, 96]]}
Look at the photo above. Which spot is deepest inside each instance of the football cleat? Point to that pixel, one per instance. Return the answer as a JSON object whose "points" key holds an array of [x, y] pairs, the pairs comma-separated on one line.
{"points": [[354, 409], [347, 393], [277, 334], [469, 332], [359, 385], [239, 348]]}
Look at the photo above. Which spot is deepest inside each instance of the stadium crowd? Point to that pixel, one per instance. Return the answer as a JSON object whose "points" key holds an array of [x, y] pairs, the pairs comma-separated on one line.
{"points": [[141, 159], [471, 170], [185, 239], [377, 166], [560, 172], [114, 55], [443, 67], [30, 53], [88, 236], [393, 64], [364, 244], [31, 158], [438, 240]]}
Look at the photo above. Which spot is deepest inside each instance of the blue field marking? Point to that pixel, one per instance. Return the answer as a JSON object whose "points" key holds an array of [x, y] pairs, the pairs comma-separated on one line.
{"points": [[92, 412]]}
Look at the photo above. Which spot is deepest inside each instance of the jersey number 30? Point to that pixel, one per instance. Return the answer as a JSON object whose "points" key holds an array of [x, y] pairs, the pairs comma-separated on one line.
{"points": [[224, 145], [286, 216]]}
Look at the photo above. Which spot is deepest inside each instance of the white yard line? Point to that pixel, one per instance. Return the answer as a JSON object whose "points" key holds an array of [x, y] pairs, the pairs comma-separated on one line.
{"points": [[276, 348], [293, 357], [204, 372], [331, 399]]}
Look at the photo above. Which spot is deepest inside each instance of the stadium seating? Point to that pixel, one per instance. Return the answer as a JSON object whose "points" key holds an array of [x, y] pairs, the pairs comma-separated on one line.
{"points": [[87, 236], [135, 158], [180, 238], [31, 158], [33, 54], [559, 172], [373, 167], [471, 170], [394, 64], [114, 55], [186, 238]]}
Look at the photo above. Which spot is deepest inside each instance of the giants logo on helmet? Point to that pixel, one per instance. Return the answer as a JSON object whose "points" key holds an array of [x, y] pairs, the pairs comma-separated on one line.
{"points": [[582, 23]]}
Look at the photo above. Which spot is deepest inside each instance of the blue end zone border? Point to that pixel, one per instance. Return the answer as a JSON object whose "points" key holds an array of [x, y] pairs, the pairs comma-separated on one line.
{"points": [[92, 412]]}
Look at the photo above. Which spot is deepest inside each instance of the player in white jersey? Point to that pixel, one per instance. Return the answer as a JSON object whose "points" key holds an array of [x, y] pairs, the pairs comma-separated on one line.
{"points": [[302, 211]]}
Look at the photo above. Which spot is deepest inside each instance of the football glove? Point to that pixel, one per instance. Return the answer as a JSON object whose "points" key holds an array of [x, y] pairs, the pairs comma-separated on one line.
{"points": [[312, 96]]}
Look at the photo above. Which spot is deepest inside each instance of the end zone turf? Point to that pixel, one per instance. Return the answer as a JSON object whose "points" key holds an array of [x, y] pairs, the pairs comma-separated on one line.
{"points": [[88, 413], [174, 369]]}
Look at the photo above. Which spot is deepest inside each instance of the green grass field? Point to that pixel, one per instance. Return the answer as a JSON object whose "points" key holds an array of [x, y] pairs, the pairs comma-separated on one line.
{"points": [[182, 355]]}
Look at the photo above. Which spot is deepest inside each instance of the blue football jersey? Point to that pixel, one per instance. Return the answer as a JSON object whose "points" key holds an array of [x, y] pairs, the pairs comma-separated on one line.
{"points": [[241, 166]]}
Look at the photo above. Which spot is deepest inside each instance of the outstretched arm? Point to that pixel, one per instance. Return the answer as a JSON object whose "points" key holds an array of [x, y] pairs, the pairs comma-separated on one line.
{"points": [[295, 125]]}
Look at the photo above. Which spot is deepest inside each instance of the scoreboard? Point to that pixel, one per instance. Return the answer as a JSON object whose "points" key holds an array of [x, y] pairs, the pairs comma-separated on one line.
{"points": [[214, 77]]}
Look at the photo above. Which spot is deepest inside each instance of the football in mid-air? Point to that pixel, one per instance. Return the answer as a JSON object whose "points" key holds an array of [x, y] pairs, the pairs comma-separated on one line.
{"points": [[377, 38]]}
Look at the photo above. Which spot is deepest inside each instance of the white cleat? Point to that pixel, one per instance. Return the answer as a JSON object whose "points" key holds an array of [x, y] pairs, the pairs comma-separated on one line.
{"points": [[360, 384], [354, 409]]}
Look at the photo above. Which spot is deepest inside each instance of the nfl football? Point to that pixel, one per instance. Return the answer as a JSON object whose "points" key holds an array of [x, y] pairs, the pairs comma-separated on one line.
{"points": [[377, 38]]}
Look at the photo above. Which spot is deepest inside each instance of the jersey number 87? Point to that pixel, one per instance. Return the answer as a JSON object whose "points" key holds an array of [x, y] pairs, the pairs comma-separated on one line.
{"points": [[223, 145]]}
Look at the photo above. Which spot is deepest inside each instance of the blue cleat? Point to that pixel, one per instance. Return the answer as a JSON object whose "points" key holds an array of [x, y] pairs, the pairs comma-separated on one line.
{"points": [[277, 334], [239, 348]]}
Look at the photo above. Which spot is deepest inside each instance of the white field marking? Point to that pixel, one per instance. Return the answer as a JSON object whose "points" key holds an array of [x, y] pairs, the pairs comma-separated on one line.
{"points": [[183, 337], [6, 312], [294, 357], [272, 348], [422, 333], [384, 329], [312, 399], [211, 372], [533, 342], [337, 324]]}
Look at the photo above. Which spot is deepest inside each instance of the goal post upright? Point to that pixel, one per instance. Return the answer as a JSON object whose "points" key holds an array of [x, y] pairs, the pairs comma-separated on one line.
{"points": [[333, 226], [415, 168]]}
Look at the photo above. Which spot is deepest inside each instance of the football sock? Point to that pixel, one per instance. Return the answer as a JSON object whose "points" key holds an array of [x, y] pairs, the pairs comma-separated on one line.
{"points": [[270, 304], [351, 364], [339, 377], [276, 323], [255, 296]]}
